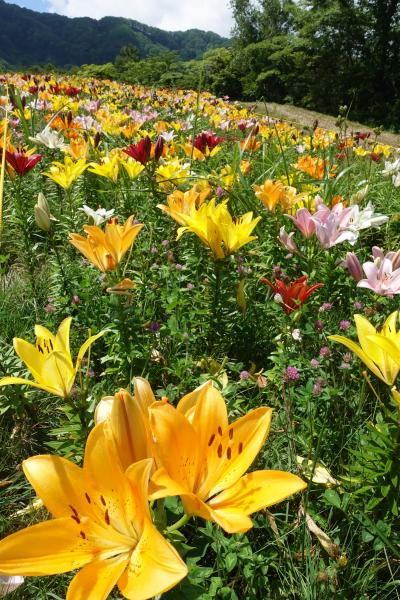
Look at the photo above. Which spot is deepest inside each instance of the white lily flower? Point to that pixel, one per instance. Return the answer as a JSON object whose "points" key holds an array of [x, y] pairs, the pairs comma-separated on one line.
{"points": [[391, 168], [362, 219], [168, 136], [99, 216], [396, 180], [9, 584], [49, 138]]}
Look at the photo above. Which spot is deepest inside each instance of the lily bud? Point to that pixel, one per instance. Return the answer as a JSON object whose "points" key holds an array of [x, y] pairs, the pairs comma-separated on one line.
{"points": [[287, 240], [359, 196], [103, 409], [353, 265], [158, 149], [396, 396], [42, 213], [241, 296]]}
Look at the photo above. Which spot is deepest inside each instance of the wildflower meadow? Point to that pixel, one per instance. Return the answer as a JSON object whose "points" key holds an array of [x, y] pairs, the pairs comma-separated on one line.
{"points": [[199, 349]]}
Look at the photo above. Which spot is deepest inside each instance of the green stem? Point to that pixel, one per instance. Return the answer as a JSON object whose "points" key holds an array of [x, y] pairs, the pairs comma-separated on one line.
{"points": [[182, 521], [60, 266], [213, 329], [23, 224]]}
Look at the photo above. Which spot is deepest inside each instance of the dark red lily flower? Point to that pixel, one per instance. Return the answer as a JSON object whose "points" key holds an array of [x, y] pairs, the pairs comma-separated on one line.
{"points": [[293, 294], [72, 91], [22, 162], [140, 151], [205, 140], [361, 135]]}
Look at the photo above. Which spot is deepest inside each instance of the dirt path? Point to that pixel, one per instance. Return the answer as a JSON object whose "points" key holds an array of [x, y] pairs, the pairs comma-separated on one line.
{"points": [[303, 117]]}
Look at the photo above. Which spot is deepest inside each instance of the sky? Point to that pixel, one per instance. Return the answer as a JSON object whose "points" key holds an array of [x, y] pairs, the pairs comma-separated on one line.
{"points": [[172, 15]]}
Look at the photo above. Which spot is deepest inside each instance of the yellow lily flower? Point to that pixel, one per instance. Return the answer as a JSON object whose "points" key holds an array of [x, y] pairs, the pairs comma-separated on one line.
{"points": [[105, 249], [380, 352], [108, 168], [171, 174], [202, 458], [216, 228], [101, 525], [65, 174], [132, 167], [50, 361]]}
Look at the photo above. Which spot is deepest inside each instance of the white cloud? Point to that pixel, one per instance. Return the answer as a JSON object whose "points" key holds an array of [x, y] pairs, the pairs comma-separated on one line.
{"points": [[172, 15]]}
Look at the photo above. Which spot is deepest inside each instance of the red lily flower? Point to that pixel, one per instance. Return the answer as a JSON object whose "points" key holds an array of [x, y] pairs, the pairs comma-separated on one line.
{"points": [[72, 91], [22, 162], [140, 151], [293, 294]]}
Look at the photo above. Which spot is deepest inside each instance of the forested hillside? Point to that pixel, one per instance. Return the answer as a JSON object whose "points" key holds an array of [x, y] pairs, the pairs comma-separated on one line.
{"points": [[28, 37]]}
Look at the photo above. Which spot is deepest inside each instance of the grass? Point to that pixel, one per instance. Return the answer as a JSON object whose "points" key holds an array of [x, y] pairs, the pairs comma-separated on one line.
{"points": [[303, 117]]}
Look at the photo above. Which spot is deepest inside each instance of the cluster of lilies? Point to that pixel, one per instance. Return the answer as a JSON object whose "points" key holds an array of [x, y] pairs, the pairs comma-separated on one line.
{"points": [[142, 449]]}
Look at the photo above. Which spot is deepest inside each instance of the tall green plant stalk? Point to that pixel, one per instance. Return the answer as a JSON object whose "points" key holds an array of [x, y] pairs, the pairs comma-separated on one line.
{"points": [[213, 330]]}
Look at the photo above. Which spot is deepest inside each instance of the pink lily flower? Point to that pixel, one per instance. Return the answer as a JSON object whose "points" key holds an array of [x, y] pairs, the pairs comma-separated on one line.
{"points": [[382, 276], [330, 230], [394, 257], [304, 222]]}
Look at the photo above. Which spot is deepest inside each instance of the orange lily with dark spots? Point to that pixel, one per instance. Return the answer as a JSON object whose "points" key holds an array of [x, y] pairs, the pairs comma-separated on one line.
{"points": [[102, 526], [203, 458]]}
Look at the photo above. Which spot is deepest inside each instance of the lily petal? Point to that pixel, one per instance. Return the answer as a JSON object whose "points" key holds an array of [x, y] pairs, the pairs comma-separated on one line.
{"points": [[162, 485], [21, 381], [155, 567], [96, 580], [103, 466], [30, 355], [209, 421], [59, 483], [175, 446], [129, 429], [239, 446], [58, 369], [255, 491], [359, 352], [139, 476], [143, 393], [187, 403], [85, 346], [45, 549], [62, 337]]}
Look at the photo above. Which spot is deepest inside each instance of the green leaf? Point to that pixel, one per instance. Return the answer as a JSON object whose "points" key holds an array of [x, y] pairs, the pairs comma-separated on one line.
{"points": [[230, 561], [333, 498]]}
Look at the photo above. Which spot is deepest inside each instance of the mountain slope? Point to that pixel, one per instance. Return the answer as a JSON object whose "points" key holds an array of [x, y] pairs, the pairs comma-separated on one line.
{"points": [[28, 37]]}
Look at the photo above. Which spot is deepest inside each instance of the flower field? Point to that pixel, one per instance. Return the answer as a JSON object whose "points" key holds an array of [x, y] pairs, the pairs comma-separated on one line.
{"points": [[199, 349]]}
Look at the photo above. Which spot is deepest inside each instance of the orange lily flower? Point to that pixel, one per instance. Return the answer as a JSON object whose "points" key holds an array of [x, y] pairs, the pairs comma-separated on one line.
{"points": [[105, 249], [203, 458], [130, 419]]}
